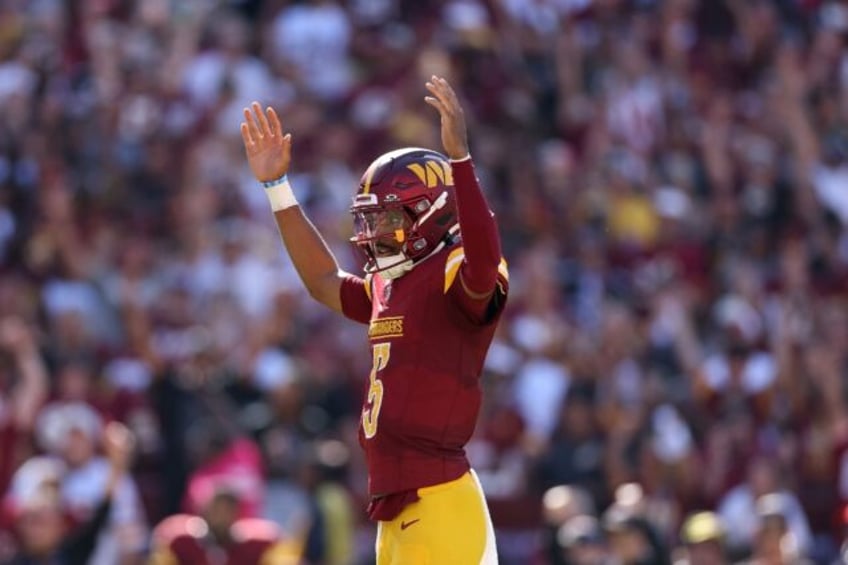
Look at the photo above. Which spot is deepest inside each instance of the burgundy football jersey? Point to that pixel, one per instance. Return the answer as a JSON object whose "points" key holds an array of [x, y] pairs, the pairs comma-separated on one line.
{"points": [[423, 394]]}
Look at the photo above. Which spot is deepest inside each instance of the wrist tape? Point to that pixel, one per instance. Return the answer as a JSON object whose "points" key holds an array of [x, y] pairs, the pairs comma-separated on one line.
{"points": [[280, 194]]}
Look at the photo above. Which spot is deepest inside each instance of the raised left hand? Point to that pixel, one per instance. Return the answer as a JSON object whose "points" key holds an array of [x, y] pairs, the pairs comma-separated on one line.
{"points": [[454, 134]]}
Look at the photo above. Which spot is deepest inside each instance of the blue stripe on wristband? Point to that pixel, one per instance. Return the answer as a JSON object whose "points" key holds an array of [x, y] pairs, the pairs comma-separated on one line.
{"points": [[275, 182]]}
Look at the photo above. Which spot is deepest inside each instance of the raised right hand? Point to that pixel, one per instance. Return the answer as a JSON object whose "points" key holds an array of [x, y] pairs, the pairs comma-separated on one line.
{"points": [[268, 150]]}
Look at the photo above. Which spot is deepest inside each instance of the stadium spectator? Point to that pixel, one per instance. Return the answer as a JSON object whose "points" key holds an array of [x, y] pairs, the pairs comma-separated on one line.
{"points": [[39, 510], [582, 542], [24, 390], [743, 501], [71, 432], [702, 537], [218, 535]]}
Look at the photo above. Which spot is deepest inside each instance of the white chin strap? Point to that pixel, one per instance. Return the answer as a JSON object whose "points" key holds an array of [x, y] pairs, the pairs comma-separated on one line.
{"points": [[393, 266]]}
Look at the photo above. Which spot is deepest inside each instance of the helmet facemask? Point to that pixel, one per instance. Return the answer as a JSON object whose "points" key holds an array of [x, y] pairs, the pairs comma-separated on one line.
{"points": [[381, 234]]}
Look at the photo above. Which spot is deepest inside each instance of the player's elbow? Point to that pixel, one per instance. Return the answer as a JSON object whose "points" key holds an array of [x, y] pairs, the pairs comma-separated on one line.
{"points": [[318, 293]]}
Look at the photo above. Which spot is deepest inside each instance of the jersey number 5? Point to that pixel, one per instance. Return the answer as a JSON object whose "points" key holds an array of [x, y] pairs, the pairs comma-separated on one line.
{"points": [[371, 411]]}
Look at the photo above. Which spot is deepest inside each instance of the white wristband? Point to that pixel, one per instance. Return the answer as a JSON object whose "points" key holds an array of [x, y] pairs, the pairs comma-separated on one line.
{"points": [[280, 194]]}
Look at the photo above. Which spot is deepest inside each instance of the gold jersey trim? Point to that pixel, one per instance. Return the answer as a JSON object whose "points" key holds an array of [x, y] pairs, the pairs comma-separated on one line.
{"points": [[454, 262], [368, 286]]}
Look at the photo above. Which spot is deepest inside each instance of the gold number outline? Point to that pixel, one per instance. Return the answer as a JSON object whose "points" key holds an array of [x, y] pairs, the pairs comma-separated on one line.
{"points": [[374, 401]]}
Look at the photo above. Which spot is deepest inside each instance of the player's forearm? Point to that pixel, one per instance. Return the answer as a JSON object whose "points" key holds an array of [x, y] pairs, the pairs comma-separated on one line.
{"points": [[480, 238], [313, 260]]}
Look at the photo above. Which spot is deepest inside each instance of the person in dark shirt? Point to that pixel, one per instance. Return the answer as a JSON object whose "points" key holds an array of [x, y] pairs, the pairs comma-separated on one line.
{"points": [[576, 453]]}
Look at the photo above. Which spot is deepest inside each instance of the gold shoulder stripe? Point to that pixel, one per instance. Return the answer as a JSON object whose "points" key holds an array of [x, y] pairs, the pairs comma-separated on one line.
{"points": [[368, 286], [452, 266], [502, 269], [456, 252]]}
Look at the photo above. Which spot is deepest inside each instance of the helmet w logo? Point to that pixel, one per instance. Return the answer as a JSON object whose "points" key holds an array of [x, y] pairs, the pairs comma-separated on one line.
{"points": [[432, 173]]}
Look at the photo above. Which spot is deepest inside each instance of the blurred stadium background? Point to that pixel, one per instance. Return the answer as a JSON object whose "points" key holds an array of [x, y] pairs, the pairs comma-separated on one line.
{"points": [[671, 182]]}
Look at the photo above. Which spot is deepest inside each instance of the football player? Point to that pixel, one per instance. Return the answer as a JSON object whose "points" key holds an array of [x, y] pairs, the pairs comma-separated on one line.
{"points": [[433, 289]]}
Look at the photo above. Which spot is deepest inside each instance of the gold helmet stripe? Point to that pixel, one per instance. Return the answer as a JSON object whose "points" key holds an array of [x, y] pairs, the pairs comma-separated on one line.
{"points": [[369, 174], [419, 171]]}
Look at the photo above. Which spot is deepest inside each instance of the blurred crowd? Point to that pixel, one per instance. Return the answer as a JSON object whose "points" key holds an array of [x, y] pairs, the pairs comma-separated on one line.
{"points": [[670, 178]]}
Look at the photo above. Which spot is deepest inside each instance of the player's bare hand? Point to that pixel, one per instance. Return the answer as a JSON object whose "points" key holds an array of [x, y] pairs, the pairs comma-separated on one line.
{"points": [[268, 149], [444, 99]]}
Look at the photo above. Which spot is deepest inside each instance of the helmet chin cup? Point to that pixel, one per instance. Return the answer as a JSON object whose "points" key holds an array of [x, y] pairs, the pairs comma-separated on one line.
{"points": [[393, 266]]}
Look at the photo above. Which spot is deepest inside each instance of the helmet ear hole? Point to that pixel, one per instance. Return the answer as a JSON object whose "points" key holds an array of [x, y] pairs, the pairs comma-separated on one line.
{"points": [[419, 245], [421, 206]]}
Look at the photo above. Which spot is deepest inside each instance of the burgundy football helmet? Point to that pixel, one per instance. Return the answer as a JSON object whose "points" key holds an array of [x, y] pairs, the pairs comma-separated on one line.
{"points": [[404, 210]]}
